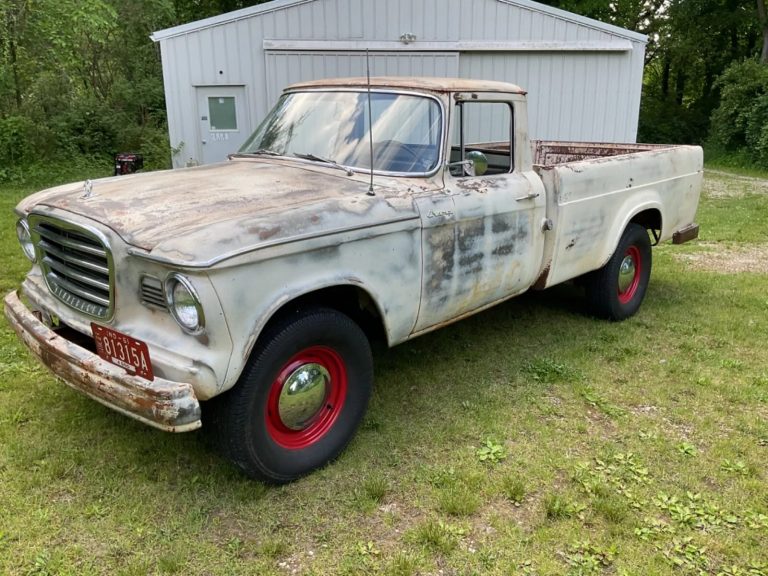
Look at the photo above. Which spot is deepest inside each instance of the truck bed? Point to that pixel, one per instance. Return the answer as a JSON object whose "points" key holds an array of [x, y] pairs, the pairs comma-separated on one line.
{"points": [[551, 153], [595, 189]]}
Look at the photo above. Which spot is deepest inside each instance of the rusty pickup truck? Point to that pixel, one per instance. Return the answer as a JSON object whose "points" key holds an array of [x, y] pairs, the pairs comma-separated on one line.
{"points": [[359, 209]]}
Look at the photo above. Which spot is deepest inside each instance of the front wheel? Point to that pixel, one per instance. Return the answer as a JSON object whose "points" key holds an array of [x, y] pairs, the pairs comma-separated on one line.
{"points": [[616, 290], [300, 398]]}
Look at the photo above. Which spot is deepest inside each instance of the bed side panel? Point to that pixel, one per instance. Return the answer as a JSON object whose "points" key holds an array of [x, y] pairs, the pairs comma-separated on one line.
{"points": [[592, 201]]}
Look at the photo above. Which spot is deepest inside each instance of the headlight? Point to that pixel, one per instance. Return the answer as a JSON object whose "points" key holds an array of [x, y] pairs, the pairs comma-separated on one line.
{"points": [[184, 303], [25, 239]]}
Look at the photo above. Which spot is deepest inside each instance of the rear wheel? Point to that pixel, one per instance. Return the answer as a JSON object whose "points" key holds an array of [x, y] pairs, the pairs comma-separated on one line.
{"points": [[300, 398], [616, 290]]}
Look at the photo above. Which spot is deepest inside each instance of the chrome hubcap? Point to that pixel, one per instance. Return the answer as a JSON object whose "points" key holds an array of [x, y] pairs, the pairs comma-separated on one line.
{"points": [[303, 395], [626, 273]]}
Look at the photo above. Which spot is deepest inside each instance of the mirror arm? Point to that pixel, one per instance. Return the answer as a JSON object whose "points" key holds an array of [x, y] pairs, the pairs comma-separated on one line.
{"points": [[467, 165]]}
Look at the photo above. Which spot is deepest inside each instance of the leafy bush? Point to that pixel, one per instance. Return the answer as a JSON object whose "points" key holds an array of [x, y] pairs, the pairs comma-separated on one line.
{"points": [[20, 139], [667, 122], [741, 121]]}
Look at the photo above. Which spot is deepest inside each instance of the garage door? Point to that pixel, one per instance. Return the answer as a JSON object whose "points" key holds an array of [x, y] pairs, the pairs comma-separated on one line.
{"points": [[287, 67]]}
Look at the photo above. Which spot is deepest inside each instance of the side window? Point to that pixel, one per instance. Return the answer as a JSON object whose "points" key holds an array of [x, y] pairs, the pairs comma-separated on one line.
{"points": [[483, 132]]}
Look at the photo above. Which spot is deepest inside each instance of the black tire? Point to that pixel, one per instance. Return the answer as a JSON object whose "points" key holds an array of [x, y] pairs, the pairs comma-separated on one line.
{"points": [[608, 295], [317, 345]]}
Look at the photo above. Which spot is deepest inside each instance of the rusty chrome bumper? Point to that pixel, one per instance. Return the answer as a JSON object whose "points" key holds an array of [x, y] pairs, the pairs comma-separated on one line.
{"points": [[164, 404]]}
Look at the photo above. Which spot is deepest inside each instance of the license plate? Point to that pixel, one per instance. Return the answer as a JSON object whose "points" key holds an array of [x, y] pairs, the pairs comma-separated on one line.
{"points": [[123, 350]]}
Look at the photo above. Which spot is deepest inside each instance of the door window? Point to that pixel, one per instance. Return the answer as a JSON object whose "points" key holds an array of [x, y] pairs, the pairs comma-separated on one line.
{"points": [[222, 113], [483, 133]]}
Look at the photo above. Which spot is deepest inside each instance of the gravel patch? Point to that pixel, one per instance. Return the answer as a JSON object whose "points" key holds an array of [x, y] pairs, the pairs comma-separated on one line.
{"points": [[727, 259], [719, 184]]}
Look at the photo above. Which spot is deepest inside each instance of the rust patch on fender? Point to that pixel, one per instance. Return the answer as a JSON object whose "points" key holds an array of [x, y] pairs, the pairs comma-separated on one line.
{"points": [[541, 281]]}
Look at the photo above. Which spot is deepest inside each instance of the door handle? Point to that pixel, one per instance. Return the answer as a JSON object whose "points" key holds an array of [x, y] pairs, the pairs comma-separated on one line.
{"points": [[528, 196]]}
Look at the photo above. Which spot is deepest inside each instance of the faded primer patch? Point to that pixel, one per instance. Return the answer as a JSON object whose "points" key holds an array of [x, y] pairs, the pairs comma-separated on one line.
{"points": [[727, 259]]}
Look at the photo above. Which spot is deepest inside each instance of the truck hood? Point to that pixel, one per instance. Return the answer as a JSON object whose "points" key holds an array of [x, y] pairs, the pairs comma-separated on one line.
{"points": [[189, 214]]}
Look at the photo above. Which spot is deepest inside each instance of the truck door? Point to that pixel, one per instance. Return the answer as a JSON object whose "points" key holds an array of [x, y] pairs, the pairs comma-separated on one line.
{"points": [[482, 240]]}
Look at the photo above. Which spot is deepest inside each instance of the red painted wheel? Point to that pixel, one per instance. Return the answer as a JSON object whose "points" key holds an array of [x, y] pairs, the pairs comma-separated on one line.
{"points": [[306, 398], [299, 399], [616, 290], [630, 272]]}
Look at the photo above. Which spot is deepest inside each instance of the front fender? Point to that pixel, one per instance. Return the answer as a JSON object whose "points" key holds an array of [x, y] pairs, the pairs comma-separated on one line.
{"points": [[387, 268]]}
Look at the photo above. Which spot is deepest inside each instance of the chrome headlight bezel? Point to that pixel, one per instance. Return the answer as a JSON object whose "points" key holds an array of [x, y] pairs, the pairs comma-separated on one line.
{"points": [[190, 324], [24, 236]]}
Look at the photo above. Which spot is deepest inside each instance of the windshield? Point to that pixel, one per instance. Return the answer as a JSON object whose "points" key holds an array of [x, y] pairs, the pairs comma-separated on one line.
{"points": [[334, 126]]}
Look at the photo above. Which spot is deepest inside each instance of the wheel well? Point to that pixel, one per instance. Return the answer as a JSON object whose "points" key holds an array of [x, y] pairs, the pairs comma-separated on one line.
{"points": [[350, 300], [650, 220]]}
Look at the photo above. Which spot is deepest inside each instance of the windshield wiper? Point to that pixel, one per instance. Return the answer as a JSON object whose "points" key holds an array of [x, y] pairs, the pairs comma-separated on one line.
{"points": [[259, 152], [328, 161]]}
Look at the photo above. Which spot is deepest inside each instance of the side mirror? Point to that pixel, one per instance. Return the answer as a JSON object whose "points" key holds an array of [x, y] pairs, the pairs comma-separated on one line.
{"points": [[475, 164], [479, 162]]}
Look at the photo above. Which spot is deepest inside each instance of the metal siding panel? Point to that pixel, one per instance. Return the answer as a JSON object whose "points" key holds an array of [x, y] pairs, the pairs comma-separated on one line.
{"points": [[171, 84], [285, 68], [442, 19], [612, 108], [571, 96], [599, 100], [637, 64], [429, 20], [624, 111], [331, 19], [477, 20], [537, 26], [257, 76], [525, 19], [356, 19], [187, 131]]}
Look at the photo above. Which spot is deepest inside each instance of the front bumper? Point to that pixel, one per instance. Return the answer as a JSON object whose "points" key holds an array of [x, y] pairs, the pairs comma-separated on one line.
{"points": [[164, 404]]}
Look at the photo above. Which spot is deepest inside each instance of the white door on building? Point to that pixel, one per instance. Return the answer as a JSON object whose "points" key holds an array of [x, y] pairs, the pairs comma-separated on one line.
{"points": [[223, 121]]}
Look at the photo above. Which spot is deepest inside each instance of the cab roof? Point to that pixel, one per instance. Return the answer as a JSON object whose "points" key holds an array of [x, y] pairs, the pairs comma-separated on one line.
{"points": [[415, 83]]}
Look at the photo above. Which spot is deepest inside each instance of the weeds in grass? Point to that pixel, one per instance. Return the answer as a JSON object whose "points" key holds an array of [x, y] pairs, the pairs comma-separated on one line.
{"points": [[402, 564], [584, 559], [756, 520], [753, 569], [695, 511], [458, 501], [682, 553], [549, 371], [376, 488], [557, 507], [654, 529], [514, 489], [172, 563], [272, 548], [438, 535], [368, 548], [491, 452], [734, 467], [611, 507], [595, 400]]}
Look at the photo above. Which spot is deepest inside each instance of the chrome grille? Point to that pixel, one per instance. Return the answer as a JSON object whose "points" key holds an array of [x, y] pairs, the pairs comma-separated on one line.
{"points": [[76, 265], [152, 292]]}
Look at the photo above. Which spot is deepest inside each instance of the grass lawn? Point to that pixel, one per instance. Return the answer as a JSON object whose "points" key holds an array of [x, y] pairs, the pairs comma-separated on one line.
{"points": [[529, 439]]}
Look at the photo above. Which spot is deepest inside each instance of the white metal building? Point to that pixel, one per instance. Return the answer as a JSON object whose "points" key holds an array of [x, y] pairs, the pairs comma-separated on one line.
{"points": [[223, 74]]}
